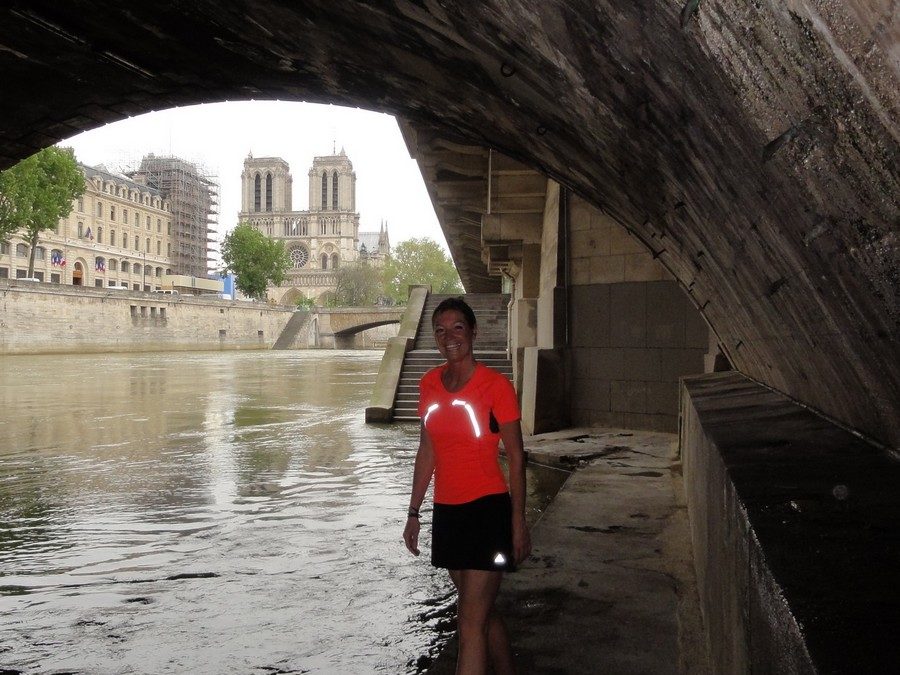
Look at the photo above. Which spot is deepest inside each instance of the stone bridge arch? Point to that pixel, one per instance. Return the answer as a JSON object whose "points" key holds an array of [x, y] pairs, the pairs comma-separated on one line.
{"points": [[752, 149]]}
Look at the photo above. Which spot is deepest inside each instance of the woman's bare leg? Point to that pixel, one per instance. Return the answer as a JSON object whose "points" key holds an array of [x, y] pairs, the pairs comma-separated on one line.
{"points": [[499, 651], [480, 631]]}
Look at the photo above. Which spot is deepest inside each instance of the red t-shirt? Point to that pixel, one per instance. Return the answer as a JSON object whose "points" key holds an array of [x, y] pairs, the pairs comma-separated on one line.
{"points": [[458, 424]]}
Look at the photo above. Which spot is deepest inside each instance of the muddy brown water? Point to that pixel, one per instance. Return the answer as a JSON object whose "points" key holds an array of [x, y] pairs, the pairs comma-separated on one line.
{"points": [[211, 513]]}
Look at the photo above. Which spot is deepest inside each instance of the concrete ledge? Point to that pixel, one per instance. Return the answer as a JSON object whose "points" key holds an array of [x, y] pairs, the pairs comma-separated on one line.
{"points": [[381, 404], [795, 528]]}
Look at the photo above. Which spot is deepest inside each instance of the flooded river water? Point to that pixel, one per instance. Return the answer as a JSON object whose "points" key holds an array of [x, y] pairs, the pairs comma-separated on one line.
{"points": [[210, 513]]}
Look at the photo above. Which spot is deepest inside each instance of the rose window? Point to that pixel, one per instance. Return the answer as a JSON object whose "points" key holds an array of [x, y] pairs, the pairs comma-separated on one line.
{"points": [[299, 256]]}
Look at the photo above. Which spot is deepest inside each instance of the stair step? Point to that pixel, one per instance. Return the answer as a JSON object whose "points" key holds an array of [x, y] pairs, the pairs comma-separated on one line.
{"points": [[491, 344]]}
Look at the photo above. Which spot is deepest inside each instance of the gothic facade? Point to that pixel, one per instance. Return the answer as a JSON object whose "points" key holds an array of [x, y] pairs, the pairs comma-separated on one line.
{"points": [[319, 240]]}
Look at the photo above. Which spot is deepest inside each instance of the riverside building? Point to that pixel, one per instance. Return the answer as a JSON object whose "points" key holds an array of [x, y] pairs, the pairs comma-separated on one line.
{"points": [[320, 239], [117, 235]]}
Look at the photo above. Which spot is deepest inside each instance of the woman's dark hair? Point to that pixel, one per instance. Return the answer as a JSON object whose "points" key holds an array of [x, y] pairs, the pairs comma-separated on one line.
{"points": [[459, 305]]}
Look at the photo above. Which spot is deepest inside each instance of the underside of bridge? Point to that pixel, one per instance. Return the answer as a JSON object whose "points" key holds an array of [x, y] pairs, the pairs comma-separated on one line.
{"points": [[751, 147]]}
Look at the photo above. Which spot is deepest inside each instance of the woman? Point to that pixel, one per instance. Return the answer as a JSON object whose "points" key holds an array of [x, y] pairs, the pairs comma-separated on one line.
{"points": [[478, 528]]}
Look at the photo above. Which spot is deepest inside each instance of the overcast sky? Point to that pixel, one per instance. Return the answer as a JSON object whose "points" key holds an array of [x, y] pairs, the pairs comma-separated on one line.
{"points": [[219, 136]]}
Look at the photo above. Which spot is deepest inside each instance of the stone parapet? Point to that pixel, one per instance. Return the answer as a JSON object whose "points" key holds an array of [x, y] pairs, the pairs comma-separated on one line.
{"points": [[795, 528], [39, 318]]}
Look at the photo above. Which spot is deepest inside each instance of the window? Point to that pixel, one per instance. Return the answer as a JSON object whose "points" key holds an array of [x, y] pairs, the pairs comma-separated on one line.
{"points": [[112, 212], [137, 268], [81, 204], [98, 283], [257, 189], [112, 265], [112, 237], [137, 243], [80, 230], [322, 226], [99, 209], [40, 253], [334, 261], [169, 250], [148, 245], [99, 235], [124, 216], [159, 224], [148, 222], [55, 278], [334, 191], [4, 248], [125, 266], [324, 191], [324, 261], [21, 251], [268, 192], [169, 228], [158, 272], [4, 273]]}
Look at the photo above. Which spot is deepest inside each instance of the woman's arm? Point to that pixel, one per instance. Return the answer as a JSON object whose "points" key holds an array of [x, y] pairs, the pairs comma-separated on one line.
{"points": [[511, 434], [422, 474]]}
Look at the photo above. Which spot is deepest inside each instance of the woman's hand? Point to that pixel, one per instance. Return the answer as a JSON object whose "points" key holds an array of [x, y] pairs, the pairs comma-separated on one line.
{"points": [[411, 535], [521, 540]]}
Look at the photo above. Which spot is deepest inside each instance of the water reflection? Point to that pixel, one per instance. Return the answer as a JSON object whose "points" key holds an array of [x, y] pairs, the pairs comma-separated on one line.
{"points": [[207, 513]]}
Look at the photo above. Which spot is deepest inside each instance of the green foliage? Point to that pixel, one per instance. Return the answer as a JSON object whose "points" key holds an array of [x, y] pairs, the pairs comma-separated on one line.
{"points": [[255, 259], [306, 303], [357, 285], [36, 193], [419, 261]]}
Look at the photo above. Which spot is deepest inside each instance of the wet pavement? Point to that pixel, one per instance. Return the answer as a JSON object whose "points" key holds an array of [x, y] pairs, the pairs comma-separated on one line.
{"points": [[610, 585]]}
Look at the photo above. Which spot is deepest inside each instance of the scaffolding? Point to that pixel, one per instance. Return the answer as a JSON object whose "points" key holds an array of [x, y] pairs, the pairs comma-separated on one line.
{"points": [[193, 196]]}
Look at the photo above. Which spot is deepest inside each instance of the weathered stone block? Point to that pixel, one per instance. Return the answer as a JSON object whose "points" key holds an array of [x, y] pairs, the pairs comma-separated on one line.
{"points": [[627, 315], [590, 315], [662, 397], [628, 396], [590, 393], [607, 269], [642, 267], [620, 242]]}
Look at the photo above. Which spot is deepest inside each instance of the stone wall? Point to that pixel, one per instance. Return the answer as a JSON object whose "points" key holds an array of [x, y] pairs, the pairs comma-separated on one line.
{"points": [[795, 530], [634, 331], [40, 318]]}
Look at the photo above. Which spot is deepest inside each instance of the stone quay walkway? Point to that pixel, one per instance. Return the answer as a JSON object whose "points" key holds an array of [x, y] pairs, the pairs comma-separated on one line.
{"points": [[609, 587]]}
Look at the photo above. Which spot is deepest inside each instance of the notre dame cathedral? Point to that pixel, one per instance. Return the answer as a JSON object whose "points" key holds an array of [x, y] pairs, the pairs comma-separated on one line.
{"points": [[318, 240]]}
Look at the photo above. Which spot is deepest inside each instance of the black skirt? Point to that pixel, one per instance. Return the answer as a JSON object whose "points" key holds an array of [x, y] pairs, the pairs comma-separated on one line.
{"points": [[476, 535]]}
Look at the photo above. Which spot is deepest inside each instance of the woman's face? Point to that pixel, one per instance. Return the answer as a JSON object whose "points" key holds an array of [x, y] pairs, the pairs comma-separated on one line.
{"points": [[453, 335]]}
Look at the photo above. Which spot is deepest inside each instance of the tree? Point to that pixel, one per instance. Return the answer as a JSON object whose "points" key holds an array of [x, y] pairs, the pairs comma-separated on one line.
{"points": [[419, 261], [36, 193], [357, 285], [255, 259]]}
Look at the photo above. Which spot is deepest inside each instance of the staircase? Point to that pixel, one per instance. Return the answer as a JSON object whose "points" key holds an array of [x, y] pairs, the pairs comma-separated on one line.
{"points": [[294, 324], [490, 348]]}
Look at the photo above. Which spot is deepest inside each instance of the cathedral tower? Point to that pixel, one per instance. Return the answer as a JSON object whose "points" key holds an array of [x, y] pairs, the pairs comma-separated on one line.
{"points": [[332, 184], [266, 185]]}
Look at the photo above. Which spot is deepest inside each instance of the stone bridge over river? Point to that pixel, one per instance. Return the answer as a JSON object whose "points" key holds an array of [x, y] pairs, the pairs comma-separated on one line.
{"points": [[341, 328]]}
